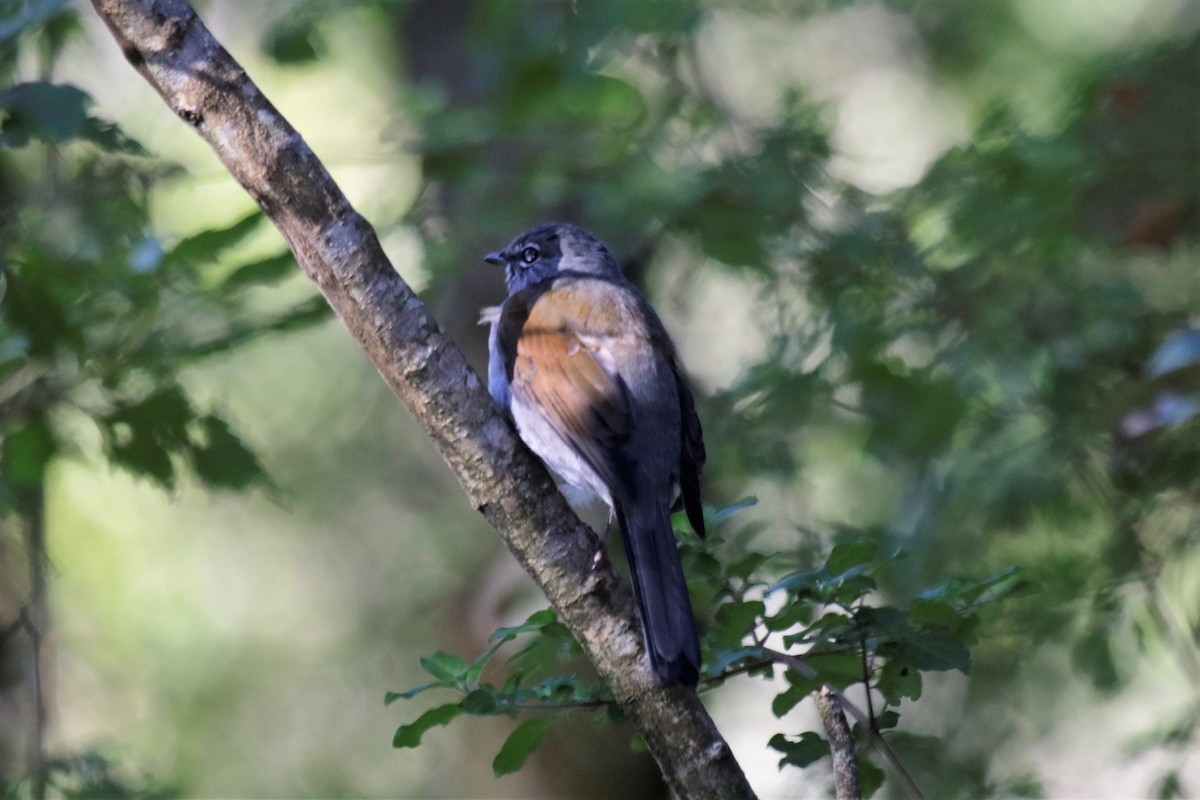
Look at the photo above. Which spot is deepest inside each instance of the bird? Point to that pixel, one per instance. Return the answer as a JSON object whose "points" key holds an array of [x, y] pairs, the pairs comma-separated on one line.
{"points": [[585, 369]]}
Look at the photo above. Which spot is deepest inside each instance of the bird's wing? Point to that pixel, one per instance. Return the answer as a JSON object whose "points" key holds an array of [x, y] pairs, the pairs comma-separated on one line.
{"points": [[563, 366]]}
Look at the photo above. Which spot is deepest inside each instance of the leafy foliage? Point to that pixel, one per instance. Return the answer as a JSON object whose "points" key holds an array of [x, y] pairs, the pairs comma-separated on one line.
{"points": [[1001, 354], [103, 309], [56, 114], [99, 314], [90, 774], [822, 617]]}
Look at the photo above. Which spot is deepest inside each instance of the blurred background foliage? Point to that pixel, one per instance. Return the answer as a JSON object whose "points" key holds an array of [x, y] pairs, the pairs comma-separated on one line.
{"points": [[932, 266]]}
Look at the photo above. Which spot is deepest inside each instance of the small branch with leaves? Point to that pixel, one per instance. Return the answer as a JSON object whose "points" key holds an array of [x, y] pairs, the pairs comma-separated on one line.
{"points": [[831, 639]]}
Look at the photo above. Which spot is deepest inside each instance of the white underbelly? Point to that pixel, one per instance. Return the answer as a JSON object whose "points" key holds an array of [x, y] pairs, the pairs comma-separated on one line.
{"points": [[583, 484]]}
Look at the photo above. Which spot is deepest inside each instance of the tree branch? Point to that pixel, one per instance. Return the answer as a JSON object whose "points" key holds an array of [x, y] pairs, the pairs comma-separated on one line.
{"points": [[841, 745], [798, 664], [166, 42]]}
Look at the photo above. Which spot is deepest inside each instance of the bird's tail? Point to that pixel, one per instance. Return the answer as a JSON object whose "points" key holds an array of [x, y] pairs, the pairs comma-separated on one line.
{"points": [[668, 626]]}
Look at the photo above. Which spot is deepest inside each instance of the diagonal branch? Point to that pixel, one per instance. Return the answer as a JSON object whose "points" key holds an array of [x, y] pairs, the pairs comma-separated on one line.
{"points": [[166, 42]]}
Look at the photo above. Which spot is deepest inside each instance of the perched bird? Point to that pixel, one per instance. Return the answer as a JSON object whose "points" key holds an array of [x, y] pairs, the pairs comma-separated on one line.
{"points": [[583, 365]]}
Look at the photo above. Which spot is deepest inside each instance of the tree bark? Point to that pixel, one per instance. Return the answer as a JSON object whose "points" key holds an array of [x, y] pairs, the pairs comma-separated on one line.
{"points": [[166, 42], [841, 745]]}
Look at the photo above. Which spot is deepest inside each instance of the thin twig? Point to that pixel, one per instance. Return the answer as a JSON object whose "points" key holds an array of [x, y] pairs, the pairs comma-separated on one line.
{"points": [[866, 673], [746, 666], [34, 617], [798, 664], [576, 705], [13, 627]]}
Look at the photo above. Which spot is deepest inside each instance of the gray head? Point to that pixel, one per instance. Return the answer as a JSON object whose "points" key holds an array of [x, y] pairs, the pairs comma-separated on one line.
{"points": [[545, 251]]}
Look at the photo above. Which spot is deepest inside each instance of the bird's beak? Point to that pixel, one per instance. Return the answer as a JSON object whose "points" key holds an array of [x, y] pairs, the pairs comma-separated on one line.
{"points": [[494, 258]]}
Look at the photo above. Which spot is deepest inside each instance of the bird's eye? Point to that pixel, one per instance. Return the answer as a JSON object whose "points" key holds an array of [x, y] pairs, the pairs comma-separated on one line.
{"points": [[529, 255]]}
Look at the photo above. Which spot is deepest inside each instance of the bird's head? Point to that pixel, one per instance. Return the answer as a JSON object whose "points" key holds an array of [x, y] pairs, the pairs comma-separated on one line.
{"points": [[548, 250]]}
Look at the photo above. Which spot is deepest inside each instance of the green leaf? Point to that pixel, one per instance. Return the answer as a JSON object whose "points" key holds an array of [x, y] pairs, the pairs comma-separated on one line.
{"points": [[35, 309], [723, 660], [555, 644], [520, 743], [56, 113], [141, 436], [221, 460], [267, 270], [481, 701], [930, 649], [410, 735], [831, 628], [799, 687], [792, 614], [746, 566], [205, 246], [800, 583], [42, 111], [790, 697], [1001, 586], [298, 316], [164, 413], [841, 580], [1093, 655], [1170, 786], [934, 650], [846, 589], [481, 661], [408, 694], [737, 620], [560, 689], [888, 720], [801, 752], [512, 683], [870, 778], [884, 621], [444, 666], [728, 226], [839, 668], [27, 448], [851, 555], [614, 102], [924, 611], [144, 458], [293, 41], [715, 516], [536, 621], [1004, 585], [898, 681]]}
